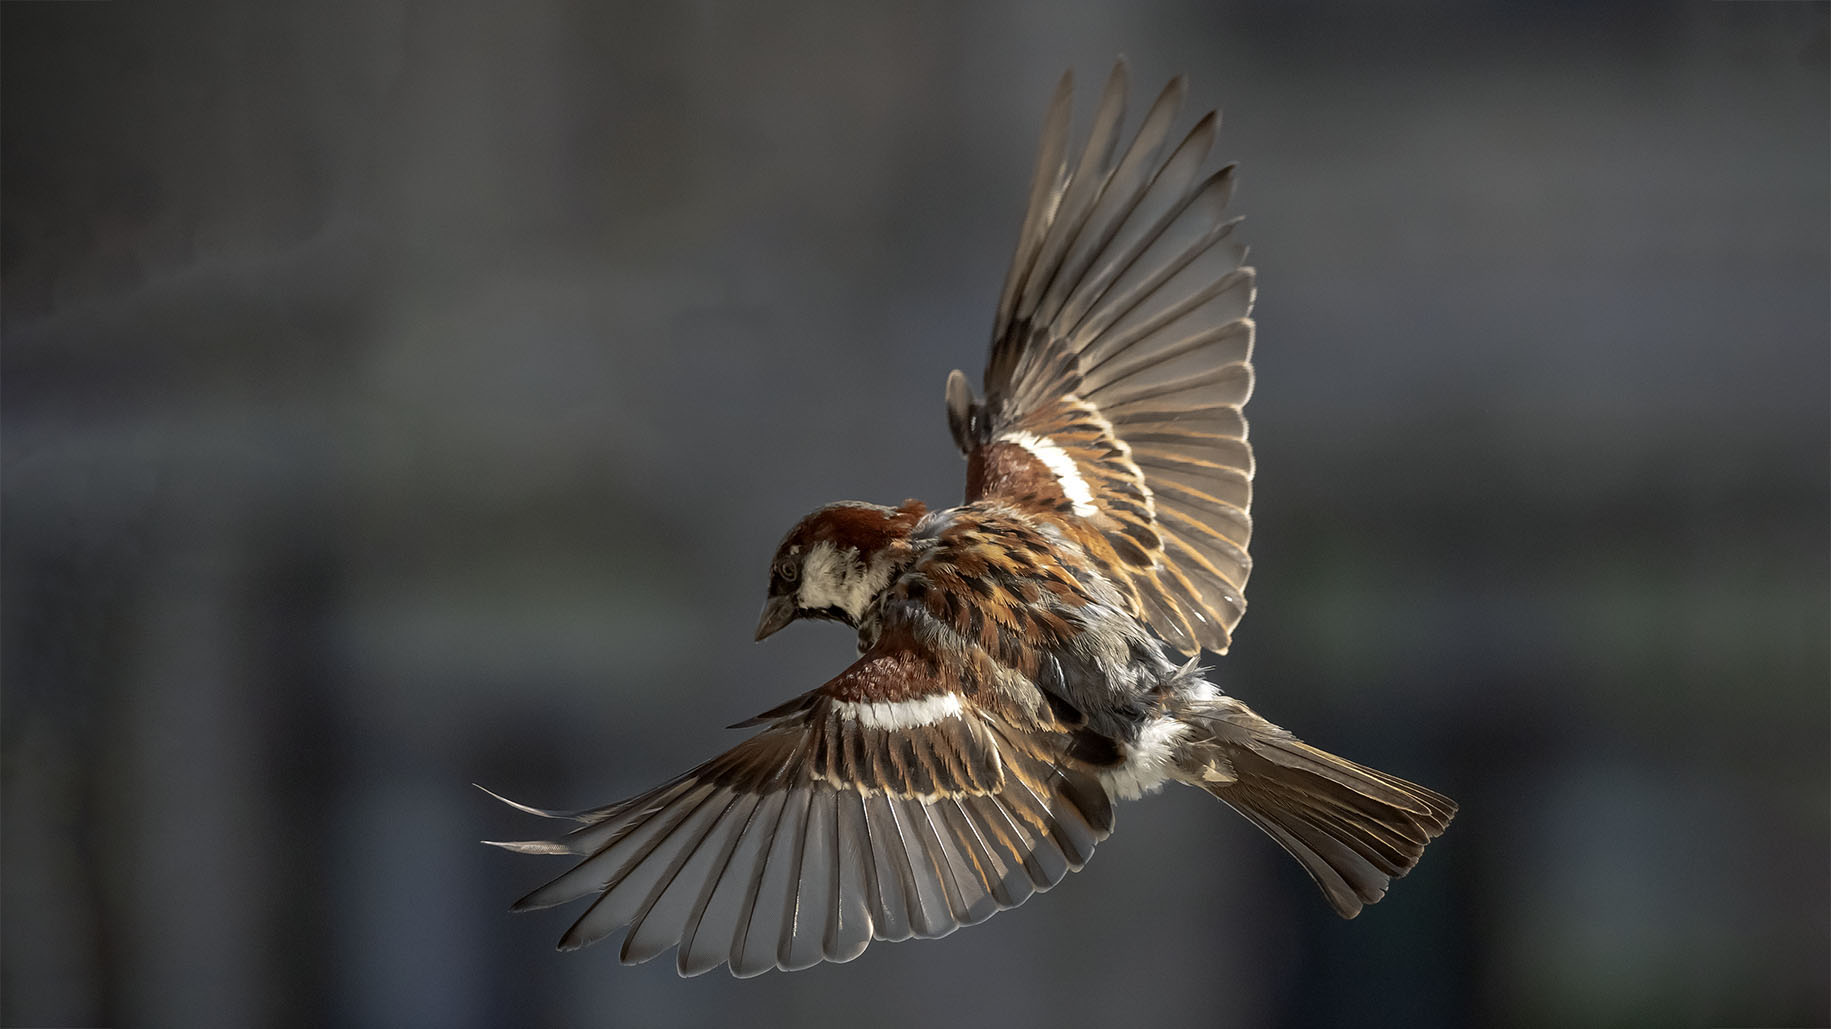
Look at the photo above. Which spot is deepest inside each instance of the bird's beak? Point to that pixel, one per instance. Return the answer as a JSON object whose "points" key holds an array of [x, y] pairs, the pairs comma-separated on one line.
{"points": [[778, 612]]}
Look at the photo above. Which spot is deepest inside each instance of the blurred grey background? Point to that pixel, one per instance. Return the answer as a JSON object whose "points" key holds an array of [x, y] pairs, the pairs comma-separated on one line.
{"points": [[405, 395]]}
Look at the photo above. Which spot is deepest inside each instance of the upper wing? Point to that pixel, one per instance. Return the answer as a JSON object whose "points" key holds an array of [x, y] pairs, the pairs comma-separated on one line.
{"points": [[885, 804], [1120, 365]]}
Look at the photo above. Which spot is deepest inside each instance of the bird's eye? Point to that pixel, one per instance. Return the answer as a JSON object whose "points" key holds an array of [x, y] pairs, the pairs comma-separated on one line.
{"points": [[787, 571]]}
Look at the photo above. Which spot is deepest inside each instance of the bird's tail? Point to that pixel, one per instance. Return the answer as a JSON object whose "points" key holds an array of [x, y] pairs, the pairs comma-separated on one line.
{"points": [[1352, 828]]}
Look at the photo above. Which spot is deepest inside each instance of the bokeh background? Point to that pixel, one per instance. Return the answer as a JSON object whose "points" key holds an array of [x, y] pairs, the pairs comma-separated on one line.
{"points": [[405, 395]]}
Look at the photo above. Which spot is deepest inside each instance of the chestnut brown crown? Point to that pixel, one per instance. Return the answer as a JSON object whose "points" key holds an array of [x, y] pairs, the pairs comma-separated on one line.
{"points": [[835, 563]]}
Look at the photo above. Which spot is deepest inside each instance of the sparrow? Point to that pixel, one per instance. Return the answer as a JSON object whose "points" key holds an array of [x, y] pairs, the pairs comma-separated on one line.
{"points": [[1030, 656]]}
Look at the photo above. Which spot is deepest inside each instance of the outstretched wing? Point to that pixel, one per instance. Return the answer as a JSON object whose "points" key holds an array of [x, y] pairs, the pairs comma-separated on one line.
{"points": [[1120, 364], [883, 805]]}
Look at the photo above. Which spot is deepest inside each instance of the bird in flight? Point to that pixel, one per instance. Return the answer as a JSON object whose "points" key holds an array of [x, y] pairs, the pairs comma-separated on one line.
{"points": [[1029, 656]]}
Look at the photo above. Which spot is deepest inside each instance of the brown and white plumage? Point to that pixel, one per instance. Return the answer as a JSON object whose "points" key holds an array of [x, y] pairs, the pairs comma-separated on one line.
{"points": [[828, 829], [1121, 355], [1015, 671]]}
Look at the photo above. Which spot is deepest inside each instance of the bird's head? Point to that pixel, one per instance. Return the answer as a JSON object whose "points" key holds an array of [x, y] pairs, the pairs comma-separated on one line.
{"points": [[835, 562]]}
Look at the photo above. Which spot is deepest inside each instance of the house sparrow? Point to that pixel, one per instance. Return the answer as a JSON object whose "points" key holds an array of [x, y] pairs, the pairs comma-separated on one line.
{"points": [[1029, 656]]}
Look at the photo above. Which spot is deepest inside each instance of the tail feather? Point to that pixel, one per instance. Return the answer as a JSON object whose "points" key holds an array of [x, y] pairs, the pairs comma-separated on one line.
{"points": [[1352, 828]]}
